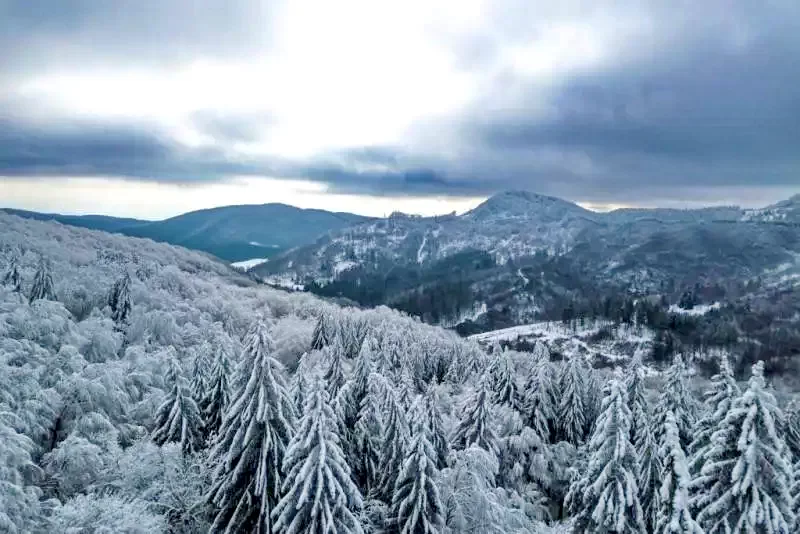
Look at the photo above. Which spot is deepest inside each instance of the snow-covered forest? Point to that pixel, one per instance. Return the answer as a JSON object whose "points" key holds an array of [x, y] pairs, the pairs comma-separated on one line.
{"points": [[145, 388]]}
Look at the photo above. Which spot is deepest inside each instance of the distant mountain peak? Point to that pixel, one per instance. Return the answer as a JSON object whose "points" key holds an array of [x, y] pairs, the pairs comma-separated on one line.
{"points": [[526, 204]]}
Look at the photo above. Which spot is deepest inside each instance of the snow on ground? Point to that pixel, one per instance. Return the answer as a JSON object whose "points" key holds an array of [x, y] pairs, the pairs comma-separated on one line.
{"points": [[701, 309], [545, 329], [420, 251], [524, 278], [283, 282], [471, 314], [619, 344], [343, 265], [246, 265]]}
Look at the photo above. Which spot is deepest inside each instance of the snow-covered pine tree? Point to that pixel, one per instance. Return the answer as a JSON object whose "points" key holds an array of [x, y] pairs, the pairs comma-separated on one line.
{"points": [[200, 375], [318, 495], [676, 398], [248, 452], [42, 287], [572, 409], [717, 401], [334, 375], [593, 400], [747, 474], [324, 332], [406, 389], [393, 450], [416, 506], [792, 428], [120, 300], [794, 492], [178, 417], [609, 494], [647, 450], [501, 372], [19, 499], [435, 427], [12, 278], [475, 426], [649, 476], [298, 390], [217, 396], [367, 435], [540, 352], [537, 406], [348, 403], [637, 402], [674, 516]]}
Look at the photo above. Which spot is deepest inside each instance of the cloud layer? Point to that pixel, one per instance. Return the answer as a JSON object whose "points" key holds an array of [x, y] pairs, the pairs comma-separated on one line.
{"points": [[610, 101]]}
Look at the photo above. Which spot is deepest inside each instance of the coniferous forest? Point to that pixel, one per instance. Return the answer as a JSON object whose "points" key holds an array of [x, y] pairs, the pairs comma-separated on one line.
{"points": [[146, 388]]}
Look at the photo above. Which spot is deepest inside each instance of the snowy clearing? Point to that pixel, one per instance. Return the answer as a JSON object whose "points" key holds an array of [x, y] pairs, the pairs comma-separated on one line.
{"points": [[246, 265], [700, 309]]}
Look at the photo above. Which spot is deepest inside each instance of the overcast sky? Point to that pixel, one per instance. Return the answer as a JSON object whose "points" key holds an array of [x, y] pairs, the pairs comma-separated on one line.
{"points": [[150, 108]]}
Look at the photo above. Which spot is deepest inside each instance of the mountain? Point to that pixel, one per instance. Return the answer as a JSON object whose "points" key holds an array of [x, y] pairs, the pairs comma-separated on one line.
{"points": [[233, 233], [521, 257], [92, 222], [238, 233]]}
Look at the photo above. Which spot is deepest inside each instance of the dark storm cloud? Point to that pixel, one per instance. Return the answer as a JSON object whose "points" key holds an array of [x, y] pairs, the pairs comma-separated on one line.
{"points": [[714, 105], [139, 151], [41, 34], [707, 98], [82, 148]]}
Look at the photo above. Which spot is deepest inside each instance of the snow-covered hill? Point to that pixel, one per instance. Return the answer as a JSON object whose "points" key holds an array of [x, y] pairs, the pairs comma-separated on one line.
{"points": [[525, 256]]}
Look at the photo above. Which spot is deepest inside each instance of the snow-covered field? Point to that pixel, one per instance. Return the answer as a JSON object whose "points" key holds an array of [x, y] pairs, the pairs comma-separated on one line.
{"points": [[700, 309], [619, 345], [246, 265]]}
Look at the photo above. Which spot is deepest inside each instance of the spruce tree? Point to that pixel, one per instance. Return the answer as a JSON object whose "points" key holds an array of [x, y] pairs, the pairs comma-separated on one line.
{"points": [[675, 398], [318, 495], [393, 450], [334, 375], [747, 474], [649, 477], [12, 278], [120, 300], [538, 405], [608, 499], [717, 401], [416, 505], [504, 389], [435, 428], [200, 376], [42, 287], [637, 402], [178, 418], [593, 399], [217, 398], [572, 409], [674, 516], [367, 439], [248, 452], [406, 389], [794, 492], [792, 428], [349, 399], [474, 428], [324, 332]]}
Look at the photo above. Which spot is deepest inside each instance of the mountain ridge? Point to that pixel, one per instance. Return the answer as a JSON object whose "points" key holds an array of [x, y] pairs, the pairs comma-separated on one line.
{"points": [[527, 256]]}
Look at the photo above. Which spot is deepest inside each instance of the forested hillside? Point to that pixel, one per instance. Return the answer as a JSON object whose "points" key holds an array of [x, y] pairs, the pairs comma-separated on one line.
{"points": [[146, 388]]}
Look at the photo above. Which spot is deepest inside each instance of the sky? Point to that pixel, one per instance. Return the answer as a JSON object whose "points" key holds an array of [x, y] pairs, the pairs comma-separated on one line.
{"points": [[150, 108]]}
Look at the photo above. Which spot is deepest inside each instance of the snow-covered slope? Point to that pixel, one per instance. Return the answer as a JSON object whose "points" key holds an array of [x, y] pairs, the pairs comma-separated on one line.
{"points": [[599, 342], [523, 254]]}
